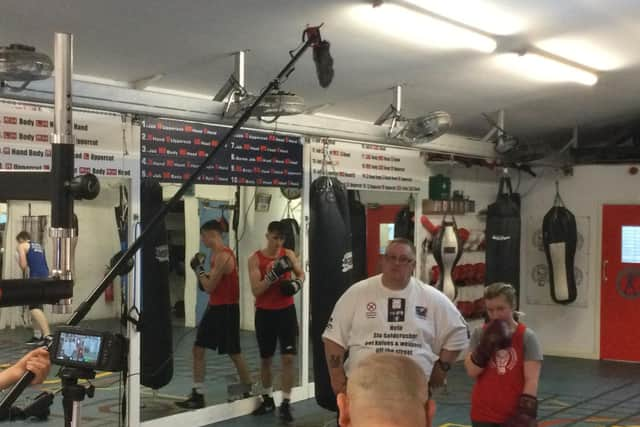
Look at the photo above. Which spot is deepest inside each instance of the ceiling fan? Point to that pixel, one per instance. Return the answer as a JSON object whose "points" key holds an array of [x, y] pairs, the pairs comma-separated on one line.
{"points": [[22, 63], [410, 131]]}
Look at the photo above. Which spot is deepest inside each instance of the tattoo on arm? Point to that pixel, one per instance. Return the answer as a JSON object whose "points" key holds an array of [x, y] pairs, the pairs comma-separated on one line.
{"points": [[335, 361]]}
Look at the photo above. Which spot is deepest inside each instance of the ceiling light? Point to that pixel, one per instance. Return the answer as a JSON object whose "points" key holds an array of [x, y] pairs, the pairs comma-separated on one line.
{"points": [[549, 68], [22, 63], [415, 25], [582, 51], [480, 14]]}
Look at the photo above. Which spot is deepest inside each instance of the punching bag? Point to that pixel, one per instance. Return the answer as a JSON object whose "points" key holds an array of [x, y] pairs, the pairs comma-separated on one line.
{"points": [[358, 216], [503, 238], [560, 237], [447, 250], [291, 234], [156, 340], [331, 267], [404, 224]]}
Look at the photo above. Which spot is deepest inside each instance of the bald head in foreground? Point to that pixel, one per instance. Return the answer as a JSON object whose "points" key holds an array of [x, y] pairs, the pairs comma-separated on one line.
{"points": [[386, 390]]}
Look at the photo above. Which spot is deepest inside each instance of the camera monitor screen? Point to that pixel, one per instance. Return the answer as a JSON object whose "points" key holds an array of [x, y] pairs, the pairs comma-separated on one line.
{"points": [[83, 349]]}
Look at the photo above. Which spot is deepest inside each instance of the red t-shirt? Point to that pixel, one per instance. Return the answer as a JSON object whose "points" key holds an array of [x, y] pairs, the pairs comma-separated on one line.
{"points": [[495, 394], [228, 289], [272, 298]]}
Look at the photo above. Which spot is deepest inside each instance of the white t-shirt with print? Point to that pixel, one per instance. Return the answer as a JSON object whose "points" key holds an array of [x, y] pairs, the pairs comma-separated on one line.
{"points": [[418, 321]]}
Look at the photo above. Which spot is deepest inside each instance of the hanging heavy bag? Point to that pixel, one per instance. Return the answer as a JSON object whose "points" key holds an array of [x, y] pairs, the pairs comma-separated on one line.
{"points": [[447, 250], [404, 224], [503, 238], [156, 341], [357, 213], [291, 234], [560, 236], [331, 267]]}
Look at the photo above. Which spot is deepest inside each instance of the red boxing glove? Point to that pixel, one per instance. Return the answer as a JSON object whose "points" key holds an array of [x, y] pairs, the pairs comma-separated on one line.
{"points": [[526, 413], [496, 336], [428, 225]]}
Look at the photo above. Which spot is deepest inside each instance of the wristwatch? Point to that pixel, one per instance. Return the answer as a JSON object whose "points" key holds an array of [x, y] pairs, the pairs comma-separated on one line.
{"points": [[445, 366]]}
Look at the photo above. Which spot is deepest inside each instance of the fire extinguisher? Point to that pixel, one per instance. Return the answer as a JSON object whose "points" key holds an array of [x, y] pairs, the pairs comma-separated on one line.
{"points": [[108, 292]]}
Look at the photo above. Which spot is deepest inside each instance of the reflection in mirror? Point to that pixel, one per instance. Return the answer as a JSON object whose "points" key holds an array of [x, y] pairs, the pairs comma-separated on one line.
{"points": [[98, 241], [217, 355]]}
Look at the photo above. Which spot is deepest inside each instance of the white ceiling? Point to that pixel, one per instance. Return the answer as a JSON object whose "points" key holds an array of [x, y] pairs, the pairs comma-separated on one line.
{"points": [[190, 39]]}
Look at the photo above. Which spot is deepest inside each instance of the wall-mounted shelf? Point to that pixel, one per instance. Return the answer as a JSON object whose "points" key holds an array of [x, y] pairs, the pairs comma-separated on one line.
{"points": [[454, 207]]}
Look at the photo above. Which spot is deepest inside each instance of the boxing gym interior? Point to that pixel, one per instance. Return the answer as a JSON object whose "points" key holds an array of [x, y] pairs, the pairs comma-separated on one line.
{"points": [[499, 137]]}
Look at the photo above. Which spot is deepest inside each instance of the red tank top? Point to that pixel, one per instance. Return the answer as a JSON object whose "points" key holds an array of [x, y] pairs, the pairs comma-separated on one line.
{"points": [[228, 289], [495, 394], [272, 299]]}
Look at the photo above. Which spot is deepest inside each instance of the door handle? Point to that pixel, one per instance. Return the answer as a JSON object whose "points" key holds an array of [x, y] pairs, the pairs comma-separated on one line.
{"points": [[604, 269]]}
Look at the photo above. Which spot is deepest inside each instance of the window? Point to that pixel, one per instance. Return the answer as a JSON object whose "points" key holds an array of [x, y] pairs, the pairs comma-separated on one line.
{"points": [[630, 244]]}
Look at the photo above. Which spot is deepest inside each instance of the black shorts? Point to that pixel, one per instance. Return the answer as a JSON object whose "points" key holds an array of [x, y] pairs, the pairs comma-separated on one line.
{"points": [[219, 329], [276, 325], [33, 307]]}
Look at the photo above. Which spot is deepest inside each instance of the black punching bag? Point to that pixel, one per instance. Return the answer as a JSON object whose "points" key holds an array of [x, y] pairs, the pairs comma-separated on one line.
{"points": [[357, 213], [404, 226], [331, 267], [157, 343], [560, 238], [291, 234], [503, 238]]}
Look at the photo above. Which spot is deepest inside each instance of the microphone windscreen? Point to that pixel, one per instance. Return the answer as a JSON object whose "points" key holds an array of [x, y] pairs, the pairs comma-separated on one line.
{"points": [[324, 63]]}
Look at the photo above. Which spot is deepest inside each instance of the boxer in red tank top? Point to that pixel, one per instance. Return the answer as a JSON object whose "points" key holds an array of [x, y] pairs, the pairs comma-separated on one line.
{"points": [[275, 276], [219, 328], [505, 359]]}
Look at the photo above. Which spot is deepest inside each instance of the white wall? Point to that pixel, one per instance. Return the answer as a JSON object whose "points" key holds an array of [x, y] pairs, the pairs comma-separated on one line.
{"points": [[97, 243], [584, 194]]}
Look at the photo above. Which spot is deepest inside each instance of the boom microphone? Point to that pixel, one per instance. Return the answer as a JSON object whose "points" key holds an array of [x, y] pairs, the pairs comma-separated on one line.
{"points": [[321, 56], [324, 63]]}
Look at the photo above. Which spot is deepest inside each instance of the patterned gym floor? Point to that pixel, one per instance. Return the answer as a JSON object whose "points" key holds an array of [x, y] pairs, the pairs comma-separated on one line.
{"points": [[573, 392]]}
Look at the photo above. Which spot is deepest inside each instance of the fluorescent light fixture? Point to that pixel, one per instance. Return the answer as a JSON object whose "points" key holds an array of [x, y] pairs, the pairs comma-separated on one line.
{"points": [[341, 118], [175, 92], [582, 51], [480, 14], [541, 67], [421, 29]]}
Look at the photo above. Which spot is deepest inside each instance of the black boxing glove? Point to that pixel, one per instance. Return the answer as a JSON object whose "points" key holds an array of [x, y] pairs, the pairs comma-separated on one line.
{"points": [[280, 266], [526, 412], [290, 287], [197, 263], [496, 336]]}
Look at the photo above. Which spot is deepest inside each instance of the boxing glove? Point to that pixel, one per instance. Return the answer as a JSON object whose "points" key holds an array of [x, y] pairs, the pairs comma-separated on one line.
{"points": [[280, 266], [526, 412], [290, 287], [197, 263], [496, 336]]}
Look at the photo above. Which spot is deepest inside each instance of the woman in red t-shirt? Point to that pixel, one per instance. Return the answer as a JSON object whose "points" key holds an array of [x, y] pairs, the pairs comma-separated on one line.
{"points": [[505, 358]]}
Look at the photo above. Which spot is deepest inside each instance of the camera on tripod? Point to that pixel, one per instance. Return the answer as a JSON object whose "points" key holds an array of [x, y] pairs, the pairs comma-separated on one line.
{"points": [[82, 348]]}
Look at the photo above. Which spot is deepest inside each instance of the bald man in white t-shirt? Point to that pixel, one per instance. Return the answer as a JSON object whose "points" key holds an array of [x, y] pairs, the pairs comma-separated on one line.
{"points": [[394, 312]]}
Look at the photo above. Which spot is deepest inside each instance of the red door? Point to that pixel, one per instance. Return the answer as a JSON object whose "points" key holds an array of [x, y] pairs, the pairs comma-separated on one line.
{"points": [[620, 290], [380, 221]]}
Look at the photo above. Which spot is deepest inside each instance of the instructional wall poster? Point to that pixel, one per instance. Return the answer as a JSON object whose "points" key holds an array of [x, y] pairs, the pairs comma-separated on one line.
{"points": [[363, 166], [536, 277], [171, 150], [101, 140]]}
